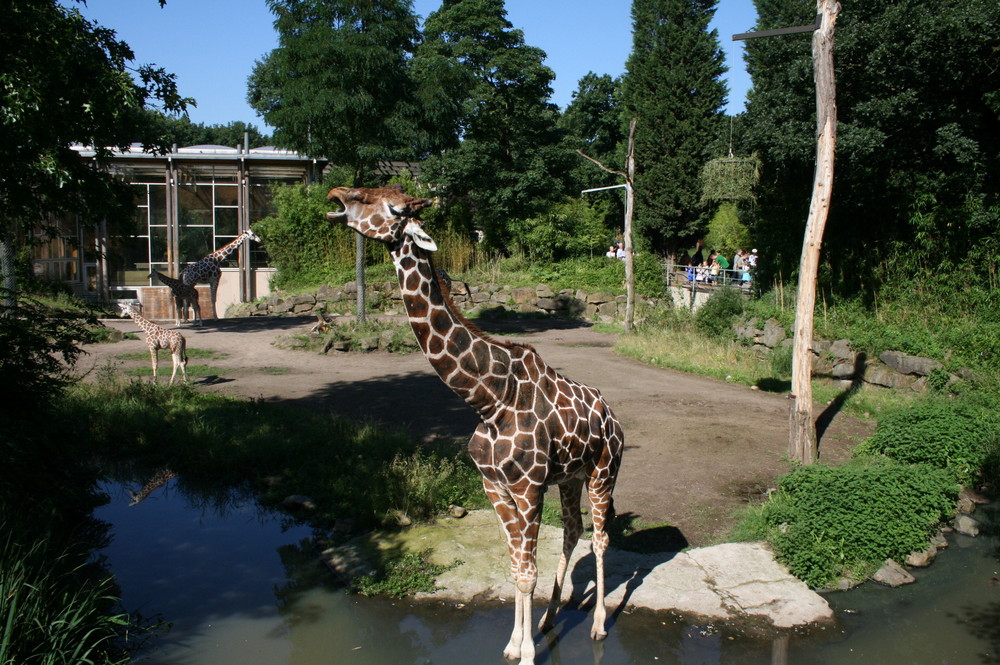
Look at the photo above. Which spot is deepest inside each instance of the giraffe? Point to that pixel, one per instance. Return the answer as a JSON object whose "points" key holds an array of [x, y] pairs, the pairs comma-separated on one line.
{"points": [[184, 295], [209, 269], [160, 338], [162, 476], [537, 427]]}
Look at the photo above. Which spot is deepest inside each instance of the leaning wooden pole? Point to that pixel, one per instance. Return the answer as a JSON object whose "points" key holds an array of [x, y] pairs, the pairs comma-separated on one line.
{"points": [[802, 443]]}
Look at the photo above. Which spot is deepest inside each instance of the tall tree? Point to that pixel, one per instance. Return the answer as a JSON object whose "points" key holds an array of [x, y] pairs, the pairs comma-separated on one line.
{"points": [[918, 102], [505, 160], [65, 80], [338, 86], [673, 85]]}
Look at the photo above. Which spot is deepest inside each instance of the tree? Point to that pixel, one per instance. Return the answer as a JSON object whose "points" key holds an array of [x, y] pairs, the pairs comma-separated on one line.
{"points": [[339, 86], [181, 131], [63, 81], [504, 160], [673, 85], [918, 104]]}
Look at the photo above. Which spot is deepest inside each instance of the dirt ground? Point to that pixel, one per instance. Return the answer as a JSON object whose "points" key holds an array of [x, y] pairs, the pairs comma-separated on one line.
{"points": [[697, 449]]}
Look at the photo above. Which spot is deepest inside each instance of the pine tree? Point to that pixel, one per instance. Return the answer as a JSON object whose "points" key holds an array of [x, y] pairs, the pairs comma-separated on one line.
{"points": [[673, 86]]}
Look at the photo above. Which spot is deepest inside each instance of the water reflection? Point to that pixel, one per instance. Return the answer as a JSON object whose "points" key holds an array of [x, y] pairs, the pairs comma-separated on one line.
{"points": [[243, 586]]}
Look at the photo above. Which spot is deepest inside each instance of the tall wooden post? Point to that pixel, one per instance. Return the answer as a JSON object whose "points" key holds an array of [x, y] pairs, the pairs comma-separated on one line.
{"points": [[629, 208], [802, 444]]}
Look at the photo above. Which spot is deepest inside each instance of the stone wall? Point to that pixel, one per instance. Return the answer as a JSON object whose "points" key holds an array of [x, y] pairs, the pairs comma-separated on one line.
{"points": [[836, 358], [471, 299]]}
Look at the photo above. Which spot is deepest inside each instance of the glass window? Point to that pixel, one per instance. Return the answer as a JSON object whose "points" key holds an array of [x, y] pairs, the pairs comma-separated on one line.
{"points": [[195, 243], [226, 195], [158, 204], [227, 221], [194, 205]]}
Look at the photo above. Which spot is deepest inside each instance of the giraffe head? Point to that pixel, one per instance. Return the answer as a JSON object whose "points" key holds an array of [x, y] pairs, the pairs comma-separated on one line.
{"points": [[127, 308], [386, 214], [251, 235]]}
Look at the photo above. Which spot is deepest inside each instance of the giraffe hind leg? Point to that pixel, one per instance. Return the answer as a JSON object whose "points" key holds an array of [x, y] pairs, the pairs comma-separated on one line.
{"points": [[601, 507], [153, 357], [569, 497]]}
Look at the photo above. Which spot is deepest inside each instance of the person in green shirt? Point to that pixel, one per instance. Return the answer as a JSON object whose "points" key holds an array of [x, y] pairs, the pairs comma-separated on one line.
{"points": [[723, 262]]}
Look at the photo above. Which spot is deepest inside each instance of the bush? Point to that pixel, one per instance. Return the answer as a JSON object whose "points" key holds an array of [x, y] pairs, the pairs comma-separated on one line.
{"points": [[828, 521], [939, 433], [716, 317]]}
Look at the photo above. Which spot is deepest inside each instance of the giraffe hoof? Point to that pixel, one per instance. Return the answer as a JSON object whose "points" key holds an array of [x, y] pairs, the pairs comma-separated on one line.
{"points": [[598, 635], [512, 652]]}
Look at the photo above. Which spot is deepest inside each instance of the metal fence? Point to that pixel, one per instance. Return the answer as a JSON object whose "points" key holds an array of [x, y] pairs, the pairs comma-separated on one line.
{"points": [[687, 276]]}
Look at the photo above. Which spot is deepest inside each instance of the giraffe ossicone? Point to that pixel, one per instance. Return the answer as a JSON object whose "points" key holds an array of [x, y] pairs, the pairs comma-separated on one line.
{"points": [[538, 428]]}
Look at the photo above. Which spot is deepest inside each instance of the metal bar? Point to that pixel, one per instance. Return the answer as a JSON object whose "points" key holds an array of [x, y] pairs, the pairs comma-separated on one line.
{"points": [[779, 31], [597, 189]]}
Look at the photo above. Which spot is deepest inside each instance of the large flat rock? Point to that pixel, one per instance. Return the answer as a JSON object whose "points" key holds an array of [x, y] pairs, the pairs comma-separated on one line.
{"points": [[723, 582]]}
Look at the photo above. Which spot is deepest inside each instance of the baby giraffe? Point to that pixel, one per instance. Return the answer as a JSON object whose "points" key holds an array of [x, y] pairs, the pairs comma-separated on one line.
{"points": [[160, 338]]}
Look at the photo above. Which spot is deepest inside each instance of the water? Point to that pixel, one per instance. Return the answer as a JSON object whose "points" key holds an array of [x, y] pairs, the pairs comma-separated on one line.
{"points": [[241, 586]]}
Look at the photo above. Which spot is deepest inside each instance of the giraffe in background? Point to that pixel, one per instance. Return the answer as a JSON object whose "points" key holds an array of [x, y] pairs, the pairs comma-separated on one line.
{"points": [[209, 269], [160, 338], [538, 428], [184, 295]]}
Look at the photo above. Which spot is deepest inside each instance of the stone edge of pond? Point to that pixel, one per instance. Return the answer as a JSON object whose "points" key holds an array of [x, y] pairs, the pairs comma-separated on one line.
{"points": [[727, 582]]}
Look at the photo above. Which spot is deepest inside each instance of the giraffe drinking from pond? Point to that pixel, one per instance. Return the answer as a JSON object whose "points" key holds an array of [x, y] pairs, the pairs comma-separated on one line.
{"points": [[209, 269], [538, 428], [160, 338]]}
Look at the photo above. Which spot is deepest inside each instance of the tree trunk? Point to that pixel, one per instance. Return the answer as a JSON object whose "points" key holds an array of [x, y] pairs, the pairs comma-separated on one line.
{"points": [[8, 275], [629, 207], [802, 444]]}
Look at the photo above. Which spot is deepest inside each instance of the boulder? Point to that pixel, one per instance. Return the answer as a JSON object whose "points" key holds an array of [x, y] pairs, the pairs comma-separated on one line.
{"points": [[907, 364], [841, 348], [774, 333], [965, 525], [544, 291], [883, 376], [892, 574]]}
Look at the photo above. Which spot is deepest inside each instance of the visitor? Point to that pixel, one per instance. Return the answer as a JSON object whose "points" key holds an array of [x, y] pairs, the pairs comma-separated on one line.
{"points": [[611, 253], [723, 262], [620, 254]]}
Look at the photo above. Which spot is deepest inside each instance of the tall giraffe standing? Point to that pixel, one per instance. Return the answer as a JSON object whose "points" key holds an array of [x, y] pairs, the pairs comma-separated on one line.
{"points": [[538, 428], [209, 269], [184, 295], [160, 338]]}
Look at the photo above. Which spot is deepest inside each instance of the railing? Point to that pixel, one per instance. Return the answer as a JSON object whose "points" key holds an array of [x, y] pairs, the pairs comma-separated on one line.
{"points": [[703, 276]]}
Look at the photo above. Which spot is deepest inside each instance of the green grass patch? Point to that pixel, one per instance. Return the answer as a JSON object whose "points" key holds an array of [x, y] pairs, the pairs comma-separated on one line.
{"points": [[402, 574]]}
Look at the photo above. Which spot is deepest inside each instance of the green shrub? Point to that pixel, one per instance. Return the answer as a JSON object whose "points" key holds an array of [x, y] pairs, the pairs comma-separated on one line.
{"points": [[826, 521], [940, 433], [716, 317], [402, 574]]}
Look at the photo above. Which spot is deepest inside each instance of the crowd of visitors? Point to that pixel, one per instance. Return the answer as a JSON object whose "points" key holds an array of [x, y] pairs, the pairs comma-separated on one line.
{"points": [[718, 269]]}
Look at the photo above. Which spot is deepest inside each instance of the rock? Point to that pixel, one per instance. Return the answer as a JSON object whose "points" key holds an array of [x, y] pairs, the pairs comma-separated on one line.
{"points": [[457, 512], [841, 348], [965, 505], [773, 334], [544, 291], [885, 377], [974, 496], [965, 525], [892, 574], [298, 502], [723, 582], [922, 558], [907, 364], [939, 541], [843, 370]]}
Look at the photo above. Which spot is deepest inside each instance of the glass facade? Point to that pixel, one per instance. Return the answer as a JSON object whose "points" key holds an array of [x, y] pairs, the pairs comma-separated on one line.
{"points": [[187, 204]]}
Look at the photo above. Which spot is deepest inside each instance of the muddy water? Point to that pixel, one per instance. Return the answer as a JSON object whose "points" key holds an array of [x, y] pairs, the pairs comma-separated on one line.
{"points": [[241, 588]]}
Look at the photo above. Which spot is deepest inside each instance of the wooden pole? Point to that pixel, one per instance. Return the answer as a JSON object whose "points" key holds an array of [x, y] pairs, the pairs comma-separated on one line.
{"points": [[629, 207], [802, 443], [629, 176]]}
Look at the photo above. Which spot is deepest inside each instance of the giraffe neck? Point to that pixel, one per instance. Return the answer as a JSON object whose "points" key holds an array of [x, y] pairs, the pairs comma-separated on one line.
{"points": [[142, 322], [227, 249], [474, 366]]}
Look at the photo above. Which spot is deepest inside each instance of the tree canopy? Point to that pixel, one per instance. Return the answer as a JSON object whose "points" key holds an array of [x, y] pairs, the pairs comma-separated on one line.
{"points": [[918, 100], [673, 87], [338, 84], [504, 160]]}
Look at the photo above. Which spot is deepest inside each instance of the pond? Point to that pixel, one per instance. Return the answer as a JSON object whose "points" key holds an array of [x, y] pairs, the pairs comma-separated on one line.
{"points": [[239, 585]]}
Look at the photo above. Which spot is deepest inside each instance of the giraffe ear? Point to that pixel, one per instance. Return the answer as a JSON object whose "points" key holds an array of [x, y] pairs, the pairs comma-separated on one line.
{"points": [[424, 241]]}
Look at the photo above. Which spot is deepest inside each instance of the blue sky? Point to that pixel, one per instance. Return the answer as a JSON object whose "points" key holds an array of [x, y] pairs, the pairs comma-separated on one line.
{"points": [[211, 45]]}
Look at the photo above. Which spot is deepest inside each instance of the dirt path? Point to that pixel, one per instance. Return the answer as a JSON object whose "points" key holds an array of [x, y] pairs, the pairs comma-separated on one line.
{"points": [[696, 448]]}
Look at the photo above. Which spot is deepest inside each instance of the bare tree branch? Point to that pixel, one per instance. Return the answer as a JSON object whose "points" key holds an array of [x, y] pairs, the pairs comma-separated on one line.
{"points": [[581, 153]]}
